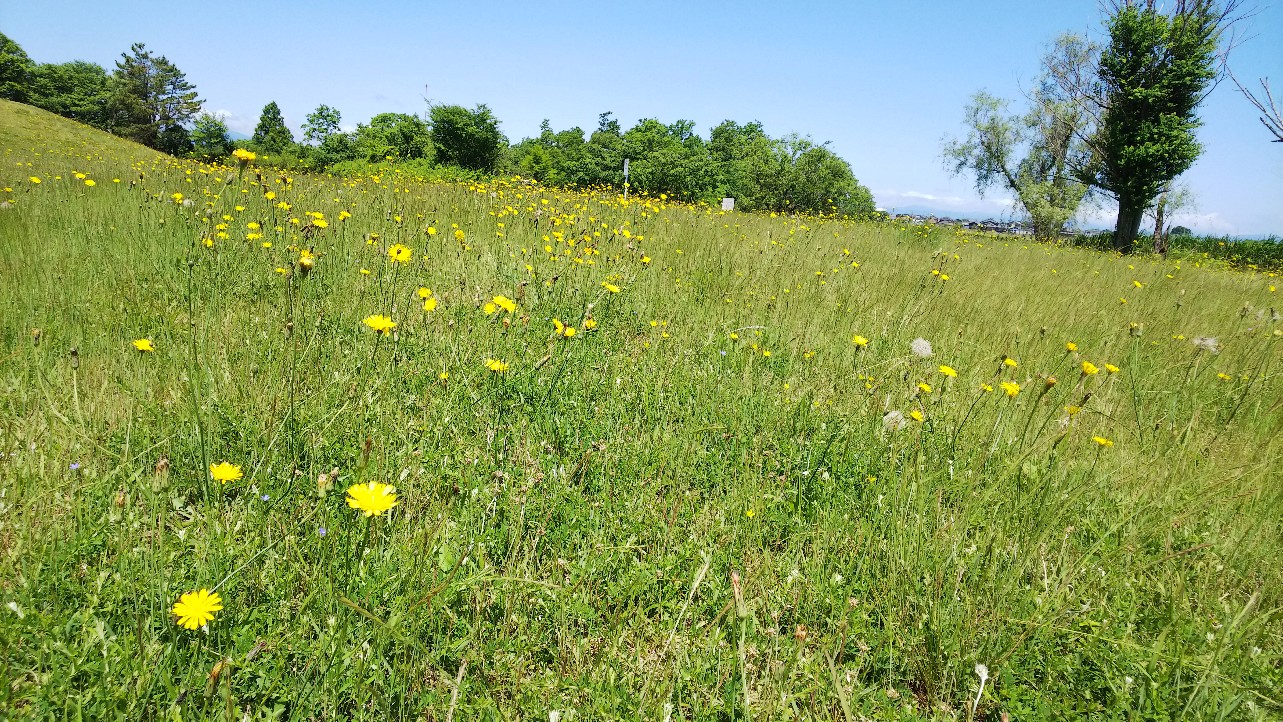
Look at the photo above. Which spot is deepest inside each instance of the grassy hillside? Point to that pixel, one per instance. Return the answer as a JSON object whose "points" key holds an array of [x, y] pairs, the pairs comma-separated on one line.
{"points": [[782, 467]]}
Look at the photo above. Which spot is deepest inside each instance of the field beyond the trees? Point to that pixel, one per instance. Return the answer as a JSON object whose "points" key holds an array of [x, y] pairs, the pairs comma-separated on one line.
{"points": [[650, 461]]}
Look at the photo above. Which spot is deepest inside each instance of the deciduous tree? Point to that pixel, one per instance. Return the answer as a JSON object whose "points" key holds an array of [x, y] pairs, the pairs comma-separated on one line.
{"points": [[271, 135]]}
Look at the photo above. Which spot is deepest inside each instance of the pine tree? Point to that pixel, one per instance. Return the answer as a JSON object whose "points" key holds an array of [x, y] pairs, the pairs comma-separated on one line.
{"points": [[271, 135], [151, 101]]}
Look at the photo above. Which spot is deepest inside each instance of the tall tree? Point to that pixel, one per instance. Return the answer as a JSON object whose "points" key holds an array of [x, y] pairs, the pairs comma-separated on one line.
{"points": [[1154, 73], [398, 136], [151, 101], [321, 124], [210, 137], [77, 90], [15, 70], [467, 138], [1038, 156], [271, 134]]}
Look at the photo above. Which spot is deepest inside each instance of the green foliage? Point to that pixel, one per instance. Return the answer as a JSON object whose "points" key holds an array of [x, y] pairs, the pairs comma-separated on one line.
{"points": [[271, 135], [466, 138], [1155, 71], [15, 70], [321, 124], [210, 138], [1036, 156], [395, 136], [77, 90], [151, 101]]}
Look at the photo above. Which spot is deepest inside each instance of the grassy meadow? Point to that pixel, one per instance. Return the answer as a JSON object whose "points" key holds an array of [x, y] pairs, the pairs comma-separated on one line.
{"points": [[782, 468]]}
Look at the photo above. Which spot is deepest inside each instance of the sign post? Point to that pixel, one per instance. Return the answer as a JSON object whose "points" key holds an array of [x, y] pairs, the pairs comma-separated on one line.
{"points": [[625, 179]]}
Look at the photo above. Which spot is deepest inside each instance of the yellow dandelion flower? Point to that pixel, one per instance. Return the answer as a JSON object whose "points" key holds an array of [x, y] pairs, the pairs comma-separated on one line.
{"points": [[224, 472], [590, 323], [1011, 388], [244, 156], [196, 609], [1009, 362], [1071, 346], [917, 416], [399, 253], [859, 341], [35, 181], [505, 303], [986, 388], [924, 388], [610, 287], [1102, 441], [90, 182], [320, 223], [948, 371], [496, 366], [1111, 368], [144, 345], [380, 323], [373, 498], [1089, 369]]}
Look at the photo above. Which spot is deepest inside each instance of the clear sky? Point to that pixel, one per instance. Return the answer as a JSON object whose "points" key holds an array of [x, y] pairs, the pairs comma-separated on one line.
{"points": [[884, 81]]}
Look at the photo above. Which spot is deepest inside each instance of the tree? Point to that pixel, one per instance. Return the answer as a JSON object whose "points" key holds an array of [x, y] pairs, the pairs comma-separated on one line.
{"points": [[77, 90], [151, 101], [1050, 138], [210, 138], [271, 135], [321, 124], [393, 135], [466, 138], [15, 70], [1154, 74]]}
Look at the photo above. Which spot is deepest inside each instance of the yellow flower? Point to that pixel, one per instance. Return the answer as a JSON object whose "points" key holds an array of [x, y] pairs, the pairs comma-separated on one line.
{"points": [[1224, 376], [489, 308], [917, 416], [459, 235], [1138, 284], [344, 215], [590, 323], [1102, 441], [430, 303], [195, 609], [1111, 368], [924, 388], [380, 323], [749, 513], [1009, 362], [948, 371], [1011, 388], [431, 231], [372, 498], [859, 340], [986, 388], [225, 472], [496, 365], [399, 253], [90, 182], [144, 345], [1071, 346], [1089, 369], [320, 223], [505, 303], [244, 156], [34, 180], [610, 287]]}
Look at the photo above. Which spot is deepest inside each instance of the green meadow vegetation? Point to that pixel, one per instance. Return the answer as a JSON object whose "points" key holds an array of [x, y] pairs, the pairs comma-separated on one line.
{"points": [[649, 460]]}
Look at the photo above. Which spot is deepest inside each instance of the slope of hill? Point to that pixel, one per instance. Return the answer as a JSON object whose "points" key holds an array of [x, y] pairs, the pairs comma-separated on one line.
{"points": [[28, 127]]}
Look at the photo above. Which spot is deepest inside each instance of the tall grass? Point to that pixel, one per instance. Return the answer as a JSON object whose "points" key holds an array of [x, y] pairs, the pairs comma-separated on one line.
{"points": [[697, 509]]}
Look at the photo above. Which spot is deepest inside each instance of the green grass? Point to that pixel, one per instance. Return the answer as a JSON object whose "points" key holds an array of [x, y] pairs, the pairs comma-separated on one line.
{"points": [[652, 519]]}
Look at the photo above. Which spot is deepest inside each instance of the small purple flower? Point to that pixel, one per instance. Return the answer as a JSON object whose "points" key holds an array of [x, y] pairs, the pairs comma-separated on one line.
{"points": [[75, 466], [265, 497], [320, 532], [722, 353]]}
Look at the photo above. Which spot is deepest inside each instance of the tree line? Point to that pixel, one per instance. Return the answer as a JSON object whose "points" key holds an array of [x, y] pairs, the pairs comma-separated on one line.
{"points": [[146, 98], [1115, 120]]}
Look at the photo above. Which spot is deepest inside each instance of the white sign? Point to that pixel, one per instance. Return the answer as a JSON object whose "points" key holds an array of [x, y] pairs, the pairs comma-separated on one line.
{"points": [[728, 204]]}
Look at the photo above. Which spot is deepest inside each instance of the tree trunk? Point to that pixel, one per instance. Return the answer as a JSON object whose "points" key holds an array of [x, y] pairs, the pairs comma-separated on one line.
{"points": [[1127, 227], [1160, 235]]}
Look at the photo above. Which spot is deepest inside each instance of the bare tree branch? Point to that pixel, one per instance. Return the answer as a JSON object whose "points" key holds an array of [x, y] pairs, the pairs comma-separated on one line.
{"points": [[1270, 116]]}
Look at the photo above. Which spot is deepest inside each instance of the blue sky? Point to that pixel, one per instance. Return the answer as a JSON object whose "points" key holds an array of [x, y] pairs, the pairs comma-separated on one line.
{"points": [[884, 82]]}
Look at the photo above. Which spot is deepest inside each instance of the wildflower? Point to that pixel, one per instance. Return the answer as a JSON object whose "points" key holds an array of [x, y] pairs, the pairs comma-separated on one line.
{"points": [[590, 323], [244, 156], [859, 341], [90, 182], [1070, 346], [920, 347], [893, 421], [372, 498], [1102, 442], [1011, 388], [917, 416], [431, 231], [1207, 343], [610, 287], [178, 197], [749, 513], [195, 609], [459, 235], [429, 301], [1089, 369], [1111, 368], [320, 223], [1009, 362], [496, 366], [35, 181], [986, 388], [144, 345], [399, 253], [380, 323], [924, 388], [1224, 376], [1138, 284], [948, 371], [225, 472]]}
